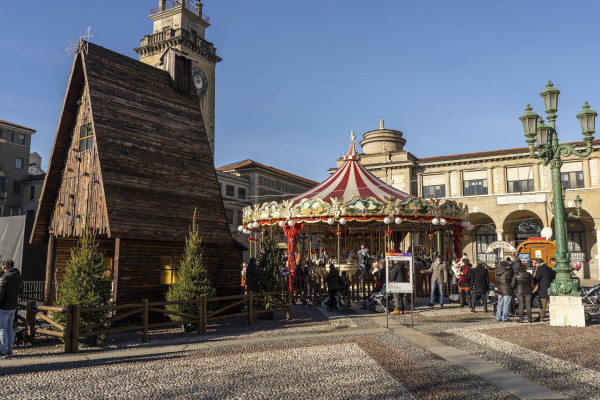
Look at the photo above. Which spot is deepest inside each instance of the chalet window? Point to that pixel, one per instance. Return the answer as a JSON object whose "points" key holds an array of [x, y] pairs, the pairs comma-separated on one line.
{"points": [[86, 137], [21, 139], [572, 179], [475, 187], [241, 193], [31, 192], [18, 163], [17, 187], [434, 191], [108, 265], [169, 267], [229, 191]]}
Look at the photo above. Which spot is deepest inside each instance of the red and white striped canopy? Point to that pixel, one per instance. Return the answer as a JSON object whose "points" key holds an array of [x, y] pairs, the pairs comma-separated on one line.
{"points": [[351, 180]]}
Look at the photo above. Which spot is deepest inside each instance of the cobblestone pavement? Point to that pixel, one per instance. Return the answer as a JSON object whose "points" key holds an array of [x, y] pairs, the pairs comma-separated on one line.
{"points": [[316, 355]]}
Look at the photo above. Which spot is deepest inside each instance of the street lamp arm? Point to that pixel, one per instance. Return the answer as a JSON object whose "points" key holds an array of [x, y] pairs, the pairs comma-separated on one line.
{"points": [[545, 153], [567, 149]]}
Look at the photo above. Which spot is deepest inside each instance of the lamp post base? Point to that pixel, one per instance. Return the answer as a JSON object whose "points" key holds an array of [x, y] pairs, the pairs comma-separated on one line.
{"points": [[566, 311]]}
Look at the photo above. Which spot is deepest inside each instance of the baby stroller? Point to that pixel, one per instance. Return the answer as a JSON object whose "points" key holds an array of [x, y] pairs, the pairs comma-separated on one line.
{"points": [[377, 300], [591, 300]]}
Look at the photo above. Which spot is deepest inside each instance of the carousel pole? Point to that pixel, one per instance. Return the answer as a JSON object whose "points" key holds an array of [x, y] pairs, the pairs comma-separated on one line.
{"points": [[338, 233]]}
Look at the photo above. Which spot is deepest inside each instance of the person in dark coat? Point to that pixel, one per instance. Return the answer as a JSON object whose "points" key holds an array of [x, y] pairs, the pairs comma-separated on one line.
{"points": [[504, 274], [10, 288], [543, 277], [396, 274], [333, 285], [522, 284], [480, 286]]}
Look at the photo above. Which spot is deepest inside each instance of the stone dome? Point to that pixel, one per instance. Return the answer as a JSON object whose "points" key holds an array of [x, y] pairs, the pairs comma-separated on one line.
{"points": [[382, 140]]}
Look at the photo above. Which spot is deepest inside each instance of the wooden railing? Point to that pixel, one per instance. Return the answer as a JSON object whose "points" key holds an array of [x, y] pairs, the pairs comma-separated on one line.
{"points": [[119, 317]]}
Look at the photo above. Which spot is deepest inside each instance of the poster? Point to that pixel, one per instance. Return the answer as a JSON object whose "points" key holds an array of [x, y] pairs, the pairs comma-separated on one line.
{"points": [[399, 287]]}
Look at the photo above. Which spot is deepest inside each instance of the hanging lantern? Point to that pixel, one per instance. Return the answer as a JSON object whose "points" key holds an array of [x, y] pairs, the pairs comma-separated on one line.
{"points": [[464, 224], [435, 221], [398, 221], [281, 224], [330, 221], [387, 220], [342, 220]]}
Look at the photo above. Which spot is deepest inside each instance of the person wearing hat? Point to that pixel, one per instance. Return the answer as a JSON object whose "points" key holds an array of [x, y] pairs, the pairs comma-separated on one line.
{"points": [[504, 274], [10, 288]]}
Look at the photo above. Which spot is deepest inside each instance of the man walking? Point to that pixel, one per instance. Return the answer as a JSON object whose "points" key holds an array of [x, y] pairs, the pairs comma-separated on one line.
{"points": [[504, 274], [543, 277], [396, 274], [481, 285], [439, 277], [10, 287]]}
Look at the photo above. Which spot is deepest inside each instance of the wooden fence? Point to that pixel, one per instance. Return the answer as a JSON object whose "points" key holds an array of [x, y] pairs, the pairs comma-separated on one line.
{"points": [[119, 317]]}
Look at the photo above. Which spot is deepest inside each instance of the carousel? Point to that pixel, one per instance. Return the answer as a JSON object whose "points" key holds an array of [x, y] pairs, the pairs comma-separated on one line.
{"points": [[352, 208]]}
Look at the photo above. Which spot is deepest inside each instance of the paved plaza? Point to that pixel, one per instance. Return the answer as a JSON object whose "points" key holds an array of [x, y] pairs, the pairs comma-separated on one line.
{"points": [[351, 354]]}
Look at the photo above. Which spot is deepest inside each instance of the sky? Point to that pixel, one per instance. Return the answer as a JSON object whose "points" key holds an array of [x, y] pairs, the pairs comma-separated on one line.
{"points": [[298, 76]]}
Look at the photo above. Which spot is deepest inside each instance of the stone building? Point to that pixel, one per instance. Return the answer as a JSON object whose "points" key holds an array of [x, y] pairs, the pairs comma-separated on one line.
{"points": [[508, 193], [181, 25], [15, 142]]}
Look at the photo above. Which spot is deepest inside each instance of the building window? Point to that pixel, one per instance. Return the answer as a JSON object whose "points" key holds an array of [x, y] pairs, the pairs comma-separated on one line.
{"points": [[15, 211], [10, 137], [571, 180], [520, 186], [475, 187], [18, 163], [229, 190], [17, 187], [434, 191], [241, 193], [576, 241], [485, 235], [525, 230], [21, 139], [169, 269], [86, 137], [31, 192], [2, 182], [108, 265]]}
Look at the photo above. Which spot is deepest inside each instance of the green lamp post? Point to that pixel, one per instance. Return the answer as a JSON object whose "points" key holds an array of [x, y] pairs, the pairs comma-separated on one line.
{"points": [[550, 152]]}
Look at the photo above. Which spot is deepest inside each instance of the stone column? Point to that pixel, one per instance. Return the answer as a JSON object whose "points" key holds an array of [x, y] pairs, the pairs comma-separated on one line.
{"points": [[447, 184], [490, 179], [420, 185], [161, 5], [587, 182], [499, 233], [537, 183], [597, 228]]}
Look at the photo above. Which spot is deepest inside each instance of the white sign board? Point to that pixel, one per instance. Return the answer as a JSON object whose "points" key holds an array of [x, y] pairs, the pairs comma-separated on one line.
{"points": [[399, 287], [529, 198]]}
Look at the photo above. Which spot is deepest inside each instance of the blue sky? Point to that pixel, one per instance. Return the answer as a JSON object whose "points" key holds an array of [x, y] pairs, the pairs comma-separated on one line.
{"points": [[298, 76]]}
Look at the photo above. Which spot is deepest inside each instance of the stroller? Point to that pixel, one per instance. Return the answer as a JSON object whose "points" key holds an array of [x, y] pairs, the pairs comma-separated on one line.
{"points": [[591, 300], [377, 300]]}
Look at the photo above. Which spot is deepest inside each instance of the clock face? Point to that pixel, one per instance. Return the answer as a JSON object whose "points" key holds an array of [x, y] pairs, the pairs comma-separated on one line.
{"points": [[199, 79]]}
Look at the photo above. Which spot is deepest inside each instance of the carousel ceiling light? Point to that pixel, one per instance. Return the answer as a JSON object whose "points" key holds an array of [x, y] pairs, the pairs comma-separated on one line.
{"points": [[330, 221], [387, 220], [435, 221], [470, 227], [398, 221], [464, 224], [241, 228], [281, 224], [291, 222], [342, 220], [255, 224], [442, 221]]}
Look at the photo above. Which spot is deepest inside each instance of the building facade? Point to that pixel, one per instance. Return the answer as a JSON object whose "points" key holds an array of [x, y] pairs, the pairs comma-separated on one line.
{"points": [[509, 193], [181, 25], [15, 142]]}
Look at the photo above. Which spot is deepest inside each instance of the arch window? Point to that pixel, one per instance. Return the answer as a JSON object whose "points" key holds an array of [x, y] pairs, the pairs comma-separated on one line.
{"points": [[576, 241], [525, 230], [485, 235]]}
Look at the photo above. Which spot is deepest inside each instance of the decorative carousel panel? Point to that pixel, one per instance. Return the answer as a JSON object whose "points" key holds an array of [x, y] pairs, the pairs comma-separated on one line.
{"points": [[364, 206], [247, 214], [450, 209], [414, 206], [269, 211], [310, 208]]}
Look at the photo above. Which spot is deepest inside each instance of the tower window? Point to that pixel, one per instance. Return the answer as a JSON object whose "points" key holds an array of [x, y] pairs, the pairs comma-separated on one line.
{"points": [[86, 137]]}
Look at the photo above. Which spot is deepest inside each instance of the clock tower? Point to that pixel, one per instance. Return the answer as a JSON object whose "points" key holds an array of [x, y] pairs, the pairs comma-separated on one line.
{"points": [[180, 25]]}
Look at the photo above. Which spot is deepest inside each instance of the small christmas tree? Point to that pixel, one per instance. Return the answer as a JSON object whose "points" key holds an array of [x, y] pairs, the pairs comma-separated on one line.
{"points": [[87, 281], [268, 269], [193, 280]]}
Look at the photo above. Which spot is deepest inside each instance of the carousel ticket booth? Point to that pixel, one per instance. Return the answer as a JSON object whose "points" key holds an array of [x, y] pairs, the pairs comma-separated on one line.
{"points": [[536, 248]]}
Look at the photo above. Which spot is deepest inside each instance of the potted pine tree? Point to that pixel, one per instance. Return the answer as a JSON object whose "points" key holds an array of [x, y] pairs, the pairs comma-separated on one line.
{"points": [[268, 273], [192, 277], [87, 282]]}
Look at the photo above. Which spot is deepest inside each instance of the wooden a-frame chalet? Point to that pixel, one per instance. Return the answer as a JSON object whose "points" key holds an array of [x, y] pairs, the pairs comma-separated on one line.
{"points": [[131, 161]]}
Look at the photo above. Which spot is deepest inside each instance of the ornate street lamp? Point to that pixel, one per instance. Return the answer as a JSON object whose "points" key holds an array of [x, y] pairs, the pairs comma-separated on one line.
{"points": [[550, 152]]}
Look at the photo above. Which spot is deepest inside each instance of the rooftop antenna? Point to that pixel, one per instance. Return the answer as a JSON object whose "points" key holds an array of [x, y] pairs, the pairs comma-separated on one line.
{"points": [[81, 44]]}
